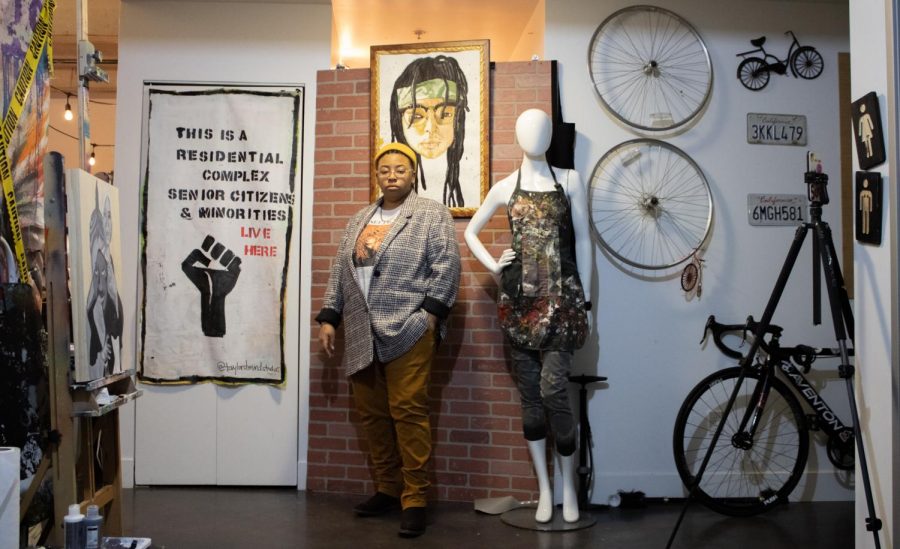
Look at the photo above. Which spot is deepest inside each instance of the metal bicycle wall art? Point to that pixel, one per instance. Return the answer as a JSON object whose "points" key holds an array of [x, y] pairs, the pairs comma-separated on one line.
{"points": [[754, 71]]}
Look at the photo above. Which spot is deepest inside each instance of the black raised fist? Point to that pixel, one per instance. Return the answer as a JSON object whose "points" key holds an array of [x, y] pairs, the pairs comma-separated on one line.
{"points": [[215, 277]]}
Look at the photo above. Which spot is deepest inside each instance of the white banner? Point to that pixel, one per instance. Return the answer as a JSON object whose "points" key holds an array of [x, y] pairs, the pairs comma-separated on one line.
{"points": [[218, 206]]}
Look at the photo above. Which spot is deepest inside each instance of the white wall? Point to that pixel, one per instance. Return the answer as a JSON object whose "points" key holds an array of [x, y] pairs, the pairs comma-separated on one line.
{"points": [[647, 332], [876, 316], [220, 42]]}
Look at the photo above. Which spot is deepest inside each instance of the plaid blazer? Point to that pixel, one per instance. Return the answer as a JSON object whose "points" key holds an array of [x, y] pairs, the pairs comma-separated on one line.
{"points": [[416, 270]]}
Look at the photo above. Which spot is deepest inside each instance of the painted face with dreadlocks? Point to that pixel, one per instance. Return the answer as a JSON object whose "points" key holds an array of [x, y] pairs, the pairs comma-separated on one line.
{"points": [[428, 115], [428, 108]]}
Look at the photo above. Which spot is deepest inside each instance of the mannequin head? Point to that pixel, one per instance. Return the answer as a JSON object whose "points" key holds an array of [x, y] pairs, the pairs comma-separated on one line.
{"points": [[533, 132]]}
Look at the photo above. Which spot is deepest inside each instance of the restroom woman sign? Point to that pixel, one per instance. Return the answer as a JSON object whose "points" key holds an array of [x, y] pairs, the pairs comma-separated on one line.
{"points": [[867, 131]]}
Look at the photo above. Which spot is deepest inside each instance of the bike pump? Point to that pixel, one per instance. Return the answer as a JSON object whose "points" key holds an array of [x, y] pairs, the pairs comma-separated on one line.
{"points": [[585, 440]]}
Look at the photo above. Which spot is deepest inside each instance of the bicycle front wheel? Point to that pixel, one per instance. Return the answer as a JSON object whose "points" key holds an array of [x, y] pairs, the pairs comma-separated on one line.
{"points": [[650, 68], [807, 63], [745, 475]]}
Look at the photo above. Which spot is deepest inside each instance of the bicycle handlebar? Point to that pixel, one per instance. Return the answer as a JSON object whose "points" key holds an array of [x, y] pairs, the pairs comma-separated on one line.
{"points": [[802, 355], [717, 329]]}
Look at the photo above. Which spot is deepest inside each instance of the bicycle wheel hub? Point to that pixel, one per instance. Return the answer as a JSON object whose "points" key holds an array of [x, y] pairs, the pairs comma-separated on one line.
{"points": [[651, 68], [651, 206], [742, 440]]}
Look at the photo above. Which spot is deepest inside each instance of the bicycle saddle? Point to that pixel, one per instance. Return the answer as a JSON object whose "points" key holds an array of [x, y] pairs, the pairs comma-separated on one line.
{"points": [[758, 42]]}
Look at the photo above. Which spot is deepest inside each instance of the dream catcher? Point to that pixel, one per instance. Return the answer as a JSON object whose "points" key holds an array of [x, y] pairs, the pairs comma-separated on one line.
{"points": [[691, 277]]}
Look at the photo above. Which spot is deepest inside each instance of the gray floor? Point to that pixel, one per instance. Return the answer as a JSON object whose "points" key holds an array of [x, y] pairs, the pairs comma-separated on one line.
{"points": [[264, 518]]}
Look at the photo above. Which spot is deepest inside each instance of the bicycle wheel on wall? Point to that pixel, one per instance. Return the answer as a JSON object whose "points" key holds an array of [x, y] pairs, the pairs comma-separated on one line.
{"points": [[650, 68], [650, 204], [753, 73], [743, 477], [807, 63]]}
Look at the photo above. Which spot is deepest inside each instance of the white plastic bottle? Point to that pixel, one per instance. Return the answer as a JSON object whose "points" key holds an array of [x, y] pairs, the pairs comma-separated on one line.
{"points": [[74, 524]]}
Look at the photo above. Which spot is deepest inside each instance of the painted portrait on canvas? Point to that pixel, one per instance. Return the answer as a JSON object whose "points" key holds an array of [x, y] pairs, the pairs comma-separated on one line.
{"points": [[93, 220], [433, 97]]}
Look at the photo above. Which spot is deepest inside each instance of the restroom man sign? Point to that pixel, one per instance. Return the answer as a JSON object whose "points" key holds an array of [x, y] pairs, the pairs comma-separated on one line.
{"points": [[867, 131], [868, 207]]}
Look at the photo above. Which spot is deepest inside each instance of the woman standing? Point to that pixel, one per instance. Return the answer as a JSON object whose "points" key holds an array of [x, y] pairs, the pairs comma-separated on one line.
{"points": [[393, 282]]}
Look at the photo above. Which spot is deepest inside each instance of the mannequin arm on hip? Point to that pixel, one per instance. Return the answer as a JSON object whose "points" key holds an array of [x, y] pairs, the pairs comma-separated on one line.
{"points": [[497, 197]]}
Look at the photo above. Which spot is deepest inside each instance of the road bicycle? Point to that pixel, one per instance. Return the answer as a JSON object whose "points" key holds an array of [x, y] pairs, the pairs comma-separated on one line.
{"points": [[760, 458], [762, 451], [803, 61]]}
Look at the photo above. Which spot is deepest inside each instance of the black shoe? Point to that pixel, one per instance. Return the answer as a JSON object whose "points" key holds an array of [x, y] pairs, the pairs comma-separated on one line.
{"points": [[378, 504], [412, 523]]}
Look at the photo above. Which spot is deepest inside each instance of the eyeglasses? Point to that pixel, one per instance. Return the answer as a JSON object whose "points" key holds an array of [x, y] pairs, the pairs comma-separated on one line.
{"points": [[442, 115], [399, 171]]}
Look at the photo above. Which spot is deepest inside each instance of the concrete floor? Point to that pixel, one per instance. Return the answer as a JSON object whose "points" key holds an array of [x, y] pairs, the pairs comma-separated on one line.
{"points": [[261, 518]]}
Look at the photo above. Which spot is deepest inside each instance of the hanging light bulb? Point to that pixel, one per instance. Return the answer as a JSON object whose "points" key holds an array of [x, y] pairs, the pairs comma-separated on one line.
{"points": [[93, 159], [68, 114]]}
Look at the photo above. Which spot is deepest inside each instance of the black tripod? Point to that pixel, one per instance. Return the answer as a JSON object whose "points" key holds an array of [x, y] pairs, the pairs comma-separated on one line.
{"points": [[824, 258], [585, 440]]}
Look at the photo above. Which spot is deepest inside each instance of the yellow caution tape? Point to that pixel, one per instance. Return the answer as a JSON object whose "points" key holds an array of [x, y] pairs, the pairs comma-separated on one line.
{"points": [[41, 36]]}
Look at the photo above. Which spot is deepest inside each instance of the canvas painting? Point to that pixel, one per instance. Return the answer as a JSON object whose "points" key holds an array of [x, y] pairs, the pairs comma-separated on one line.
{"points": [[434, 97], [95, 268]]}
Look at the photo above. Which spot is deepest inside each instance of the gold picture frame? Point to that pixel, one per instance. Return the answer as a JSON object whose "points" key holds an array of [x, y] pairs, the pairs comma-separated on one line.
{"points": [[413, 89]]}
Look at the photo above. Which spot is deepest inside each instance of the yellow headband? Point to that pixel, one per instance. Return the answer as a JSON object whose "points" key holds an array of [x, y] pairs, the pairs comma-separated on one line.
{"points": [[397, 148]]}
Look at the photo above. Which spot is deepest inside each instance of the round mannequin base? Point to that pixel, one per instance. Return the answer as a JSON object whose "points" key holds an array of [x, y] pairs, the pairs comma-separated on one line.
{"points": [[523, 517]]}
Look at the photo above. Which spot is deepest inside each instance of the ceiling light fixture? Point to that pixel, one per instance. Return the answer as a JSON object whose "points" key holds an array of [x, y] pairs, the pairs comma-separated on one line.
{"points": [[93, 159], [68, 114]]}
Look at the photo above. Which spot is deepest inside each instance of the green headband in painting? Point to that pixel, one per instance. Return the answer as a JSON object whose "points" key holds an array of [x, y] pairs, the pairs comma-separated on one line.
{"points": [[436, 88]]}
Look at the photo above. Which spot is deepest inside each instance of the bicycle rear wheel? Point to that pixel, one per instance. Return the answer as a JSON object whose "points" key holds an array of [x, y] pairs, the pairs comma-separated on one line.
{"points": [[753, 74], [743, 477], [650, 204]]}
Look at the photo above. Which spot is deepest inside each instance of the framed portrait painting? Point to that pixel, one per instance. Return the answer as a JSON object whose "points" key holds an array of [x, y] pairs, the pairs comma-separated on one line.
{"points": [[434, 97]]}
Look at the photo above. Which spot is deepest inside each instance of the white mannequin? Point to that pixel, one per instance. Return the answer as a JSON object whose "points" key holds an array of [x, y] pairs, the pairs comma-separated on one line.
{"points": [[533, 132]]}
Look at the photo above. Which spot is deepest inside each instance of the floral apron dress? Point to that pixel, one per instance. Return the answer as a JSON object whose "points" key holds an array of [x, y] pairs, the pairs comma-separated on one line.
{"points": [[541, 303]]}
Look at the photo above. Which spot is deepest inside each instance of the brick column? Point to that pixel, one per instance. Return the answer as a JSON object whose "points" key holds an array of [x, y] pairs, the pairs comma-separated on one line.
{"points": [[479, 450]]}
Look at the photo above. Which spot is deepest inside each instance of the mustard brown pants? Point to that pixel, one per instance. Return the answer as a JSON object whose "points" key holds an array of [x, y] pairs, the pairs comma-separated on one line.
{"points": [[392, 402]]}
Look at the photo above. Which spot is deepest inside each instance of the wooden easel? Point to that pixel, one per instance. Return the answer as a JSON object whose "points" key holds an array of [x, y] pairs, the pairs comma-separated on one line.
{"points": [[86, 464]]}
